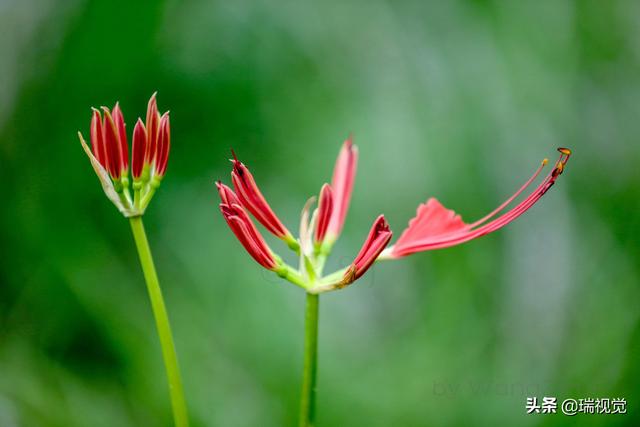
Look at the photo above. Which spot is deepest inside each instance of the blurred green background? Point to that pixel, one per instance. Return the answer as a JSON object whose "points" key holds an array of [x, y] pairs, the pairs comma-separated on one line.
{"points": [[455, 99]]}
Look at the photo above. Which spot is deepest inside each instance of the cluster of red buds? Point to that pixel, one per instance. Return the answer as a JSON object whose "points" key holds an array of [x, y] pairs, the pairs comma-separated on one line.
{"points": [[433, 227], [109, 156]]}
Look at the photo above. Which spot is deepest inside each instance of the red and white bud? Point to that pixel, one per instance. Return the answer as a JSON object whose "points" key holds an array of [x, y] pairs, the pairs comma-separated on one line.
{"points": [[115, 160], [164, 145], [325, 210], [227, 196], [97, 139], [248, 235], [138, 149], [378, 238], [252, 199], [118, 119], [152, 126]]}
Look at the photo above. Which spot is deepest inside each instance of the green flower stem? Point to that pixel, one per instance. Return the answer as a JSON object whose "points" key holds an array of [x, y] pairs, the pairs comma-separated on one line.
{"points": [[310, 366], [162, 324]]}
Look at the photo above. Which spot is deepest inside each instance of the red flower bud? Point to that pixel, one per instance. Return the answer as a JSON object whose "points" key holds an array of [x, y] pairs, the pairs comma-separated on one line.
{"points": [[115, 162], [152, 126], [109, 155], [325, 209], [248, 235], [97, 139], [139, 146], [227, 195], [164, 144], [252, 199], [377, 240], [118, 119]]}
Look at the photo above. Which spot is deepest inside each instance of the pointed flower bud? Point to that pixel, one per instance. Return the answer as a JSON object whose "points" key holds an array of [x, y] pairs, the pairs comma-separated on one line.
{"points": [[248, 235], [115, 157], [97, 139], [378, 238], [164, 144], [138, 150], [436, 227], [253, 200], [123, 150], [325, 209], [344, 174], [227, 196], [109, 156], [152, 126]]}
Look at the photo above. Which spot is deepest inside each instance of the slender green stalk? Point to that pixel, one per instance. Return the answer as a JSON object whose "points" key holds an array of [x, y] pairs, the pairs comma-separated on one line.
{"points": [[162, 324], [310, 367]]}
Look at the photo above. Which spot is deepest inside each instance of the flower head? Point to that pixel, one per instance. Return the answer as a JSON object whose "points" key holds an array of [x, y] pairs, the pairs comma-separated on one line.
{"points": [[435, 227], [109, 156], [318, 231]]}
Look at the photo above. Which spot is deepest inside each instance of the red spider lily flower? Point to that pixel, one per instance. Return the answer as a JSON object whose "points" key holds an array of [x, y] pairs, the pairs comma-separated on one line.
{"points": [[109, 155], [435, 227], [325, 209], [344, 174], [253, 200], [248, 235]]}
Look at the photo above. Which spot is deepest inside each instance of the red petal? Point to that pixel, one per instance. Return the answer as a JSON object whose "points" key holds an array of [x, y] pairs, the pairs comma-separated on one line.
{"points": [[344, 174], [436, 227]]}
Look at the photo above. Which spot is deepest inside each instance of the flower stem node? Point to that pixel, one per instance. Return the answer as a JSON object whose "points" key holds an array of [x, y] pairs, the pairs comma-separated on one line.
{"points": [[109, 156]]}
